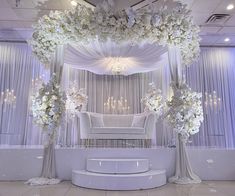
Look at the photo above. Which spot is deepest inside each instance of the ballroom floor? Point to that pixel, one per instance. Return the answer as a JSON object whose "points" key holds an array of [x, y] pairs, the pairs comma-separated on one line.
{"points": [[207, 188]]}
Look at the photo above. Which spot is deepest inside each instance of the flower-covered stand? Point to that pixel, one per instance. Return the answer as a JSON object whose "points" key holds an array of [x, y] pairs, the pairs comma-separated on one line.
{"points": [[185, 115], [48, 109]]}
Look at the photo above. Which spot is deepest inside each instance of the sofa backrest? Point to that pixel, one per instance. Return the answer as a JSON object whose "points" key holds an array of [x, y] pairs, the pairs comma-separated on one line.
{"points": [[113, 120]]}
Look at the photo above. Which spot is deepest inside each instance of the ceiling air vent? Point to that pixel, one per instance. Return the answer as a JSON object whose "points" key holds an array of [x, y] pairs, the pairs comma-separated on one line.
{"points": [[218, 19]]}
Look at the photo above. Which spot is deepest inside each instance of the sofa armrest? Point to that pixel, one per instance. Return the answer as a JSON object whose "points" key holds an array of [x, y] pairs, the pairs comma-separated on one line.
{"points": [[149, 126], [85, 125]]}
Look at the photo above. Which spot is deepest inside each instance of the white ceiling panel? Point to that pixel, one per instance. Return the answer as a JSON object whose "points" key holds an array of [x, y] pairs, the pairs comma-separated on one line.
{"points": [[209, 30], [4, 4], [199, 18], [7, 14], [15, 24], [231, 21], [220, 41], [209, 39], [25, 14], [205, 6], [227, 30], [222, 7]]}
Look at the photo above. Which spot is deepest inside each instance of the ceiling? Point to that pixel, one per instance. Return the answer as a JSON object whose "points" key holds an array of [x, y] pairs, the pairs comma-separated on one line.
{"points": [[15, 22]]}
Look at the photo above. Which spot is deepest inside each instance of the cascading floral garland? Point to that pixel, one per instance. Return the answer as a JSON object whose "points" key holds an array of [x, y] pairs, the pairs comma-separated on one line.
{"points": [[154, 25]]}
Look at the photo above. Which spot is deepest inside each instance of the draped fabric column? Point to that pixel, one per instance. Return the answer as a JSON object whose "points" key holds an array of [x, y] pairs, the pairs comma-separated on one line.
{"points": [[183, 171], [49, 165]]}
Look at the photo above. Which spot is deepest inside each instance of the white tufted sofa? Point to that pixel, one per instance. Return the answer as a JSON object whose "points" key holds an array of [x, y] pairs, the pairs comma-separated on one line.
{"points": [[109, 126]]}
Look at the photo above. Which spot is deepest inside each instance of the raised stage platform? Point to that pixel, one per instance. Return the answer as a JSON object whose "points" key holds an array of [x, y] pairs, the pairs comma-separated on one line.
{"points": [[24, 162]]}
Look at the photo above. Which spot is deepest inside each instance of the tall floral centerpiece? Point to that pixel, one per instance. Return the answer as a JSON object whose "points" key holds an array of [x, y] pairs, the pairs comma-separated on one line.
{"points": [[48, 108], [76, 100]]}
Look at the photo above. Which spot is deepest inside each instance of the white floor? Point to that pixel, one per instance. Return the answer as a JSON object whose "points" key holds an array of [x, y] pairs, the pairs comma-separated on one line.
{"points": [[206, 188]]}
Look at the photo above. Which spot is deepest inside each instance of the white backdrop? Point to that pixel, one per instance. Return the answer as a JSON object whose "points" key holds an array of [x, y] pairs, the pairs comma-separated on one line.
{"points": [[214, 71]]}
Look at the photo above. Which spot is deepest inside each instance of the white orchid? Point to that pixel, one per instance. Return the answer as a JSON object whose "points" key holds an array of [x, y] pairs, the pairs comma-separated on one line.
{"points": [[153, 100], [76, 100], [48, 105], [185, 113]]}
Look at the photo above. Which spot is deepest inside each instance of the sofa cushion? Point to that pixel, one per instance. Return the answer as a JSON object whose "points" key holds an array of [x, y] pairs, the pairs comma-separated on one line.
{"points": [[97, 120], [138, 120], [118, 130], [114, 120]]}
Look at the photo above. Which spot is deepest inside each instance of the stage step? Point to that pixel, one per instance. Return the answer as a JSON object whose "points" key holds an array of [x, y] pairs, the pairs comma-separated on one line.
{"points": [[147, 180], [117, 166]]}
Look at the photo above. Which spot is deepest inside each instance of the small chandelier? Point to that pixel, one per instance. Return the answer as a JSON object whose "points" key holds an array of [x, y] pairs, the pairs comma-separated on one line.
{"points": [[116, 106], [212, 101], [8, 97]]}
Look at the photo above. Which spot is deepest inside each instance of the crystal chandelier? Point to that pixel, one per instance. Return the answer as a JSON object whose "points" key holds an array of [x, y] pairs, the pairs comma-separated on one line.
{"points": [[116, 66], [8, 97], [212, 101], [116, 106]]}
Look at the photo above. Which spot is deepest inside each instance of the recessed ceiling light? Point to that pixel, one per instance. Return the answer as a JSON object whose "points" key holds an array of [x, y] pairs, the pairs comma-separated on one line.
{"points": [[226, 39], [73, 3], [230, 7]]}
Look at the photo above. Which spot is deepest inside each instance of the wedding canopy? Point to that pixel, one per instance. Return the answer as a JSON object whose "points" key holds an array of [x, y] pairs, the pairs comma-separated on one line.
{"points": [[127, 42]]}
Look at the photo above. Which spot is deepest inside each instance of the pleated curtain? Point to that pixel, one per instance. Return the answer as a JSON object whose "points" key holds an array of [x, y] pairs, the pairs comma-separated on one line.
{"points": [[214, 71]]}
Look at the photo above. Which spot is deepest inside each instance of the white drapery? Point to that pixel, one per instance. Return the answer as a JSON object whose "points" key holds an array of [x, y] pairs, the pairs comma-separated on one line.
{"points": [[183, 171], [215, 71], [98, 57], [18, 67]]}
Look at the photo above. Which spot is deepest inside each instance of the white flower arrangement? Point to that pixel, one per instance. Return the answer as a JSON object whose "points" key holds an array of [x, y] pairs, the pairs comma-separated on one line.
{"points": [[163, 26], [153, 100], [48, 105], [76, 100], [185, 113]]}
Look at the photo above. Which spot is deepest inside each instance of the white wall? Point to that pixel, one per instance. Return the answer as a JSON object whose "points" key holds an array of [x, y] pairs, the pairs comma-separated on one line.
{"points": [[22, 163]]}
